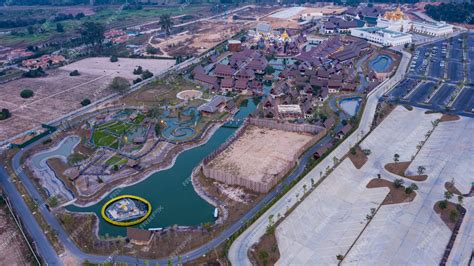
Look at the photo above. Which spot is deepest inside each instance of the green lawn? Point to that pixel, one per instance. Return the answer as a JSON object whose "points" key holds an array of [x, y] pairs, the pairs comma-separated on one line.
{"points": [[101, 138], [113, 160]]}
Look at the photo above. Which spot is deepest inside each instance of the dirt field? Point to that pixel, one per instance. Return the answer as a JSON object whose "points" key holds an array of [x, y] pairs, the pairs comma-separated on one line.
{"points": [[261, 153], [13, 249], [58, 93], [198, 37]]}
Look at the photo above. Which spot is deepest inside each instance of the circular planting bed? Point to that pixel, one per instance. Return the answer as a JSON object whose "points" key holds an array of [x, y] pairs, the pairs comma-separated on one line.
{"points": [[126, 210], [189, 95]]}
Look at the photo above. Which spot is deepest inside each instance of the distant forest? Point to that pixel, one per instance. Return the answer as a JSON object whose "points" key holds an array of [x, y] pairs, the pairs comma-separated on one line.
{"points": [[103, 2], [457, 13]]}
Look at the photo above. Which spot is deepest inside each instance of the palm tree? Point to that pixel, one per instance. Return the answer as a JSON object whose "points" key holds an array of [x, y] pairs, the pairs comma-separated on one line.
{"points": [[421, 169], [396, 157], [166, 24]]}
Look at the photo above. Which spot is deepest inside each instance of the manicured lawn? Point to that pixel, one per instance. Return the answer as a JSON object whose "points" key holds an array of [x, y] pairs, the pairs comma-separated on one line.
{"points": [[101, 138], [113, 160]]}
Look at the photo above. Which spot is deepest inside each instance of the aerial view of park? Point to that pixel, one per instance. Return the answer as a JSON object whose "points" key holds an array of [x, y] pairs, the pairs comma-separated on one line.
{"points": [[236, 132]]}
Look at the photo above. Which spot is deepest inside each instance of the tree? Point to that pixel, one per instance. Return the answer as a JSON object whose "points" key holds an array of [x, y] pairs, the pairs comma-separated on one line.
{"points": [[4, 114], [398, 183], [138, 70], [31, 30], [59, 27], [396, 157], [119, 85], [340, 257], [166, 24], [443, 204], [411, 188], [74, 73], [353, 150], [421, 169], [93, 33], [151, 50], [147, 74], [85, 102], [113, 59], [460, 200], [157, 130], [448, 195], [269, 70], [26, 93]]}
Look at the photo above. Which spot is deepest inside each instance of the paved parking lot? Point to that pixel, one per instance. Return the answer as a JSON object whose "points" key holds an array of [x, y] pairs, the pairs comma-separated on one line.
{"points": [[440, 77], [329, 220]]}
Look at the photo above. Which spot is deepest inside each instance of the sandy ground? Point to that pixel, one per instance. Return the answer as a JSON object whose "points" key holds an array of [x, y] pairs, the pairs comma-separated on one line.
{"points": [[198, 38], [261, 153], [58, 93], [123, 68], [13, 248]]}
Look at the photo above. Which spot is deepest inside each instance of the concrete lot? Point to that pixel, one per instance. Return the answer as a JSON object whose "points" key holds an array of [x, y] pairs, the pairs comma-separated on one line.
{"points": [[261, 153], [330, 219], [58, 93], [414, 233]]}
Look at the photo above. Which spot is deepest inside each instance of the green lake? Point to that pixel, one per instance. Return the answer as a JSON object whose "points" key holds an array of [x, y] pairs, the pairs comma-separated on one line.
{"points": [[170, 192]]}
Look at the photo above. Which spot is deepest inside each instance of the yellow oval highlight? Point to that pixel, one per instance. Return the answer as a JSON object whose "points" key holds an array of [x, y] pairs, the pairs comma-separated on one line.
{"points": [[126, 223]]}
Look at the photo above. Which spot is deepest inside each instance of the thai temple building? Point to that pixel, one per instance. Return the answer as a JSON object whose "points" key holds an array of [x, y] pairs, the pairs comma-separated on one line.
{"points": [[394, 28]]}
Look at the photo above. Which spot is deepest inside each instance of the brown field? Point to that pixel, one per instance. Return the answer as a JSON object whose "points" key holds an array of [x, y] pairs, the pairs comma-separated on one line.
{"points": [[59, 94], [261, 153], [198, 37], [13, 248]]}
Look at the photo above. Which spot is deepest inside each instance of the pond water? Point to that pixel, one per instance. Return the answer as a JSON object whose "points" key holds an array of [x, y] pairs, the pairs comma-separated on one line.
{"points": [[170, 191], [53, 185], [175, 129], [381, 63], [350, 105]]}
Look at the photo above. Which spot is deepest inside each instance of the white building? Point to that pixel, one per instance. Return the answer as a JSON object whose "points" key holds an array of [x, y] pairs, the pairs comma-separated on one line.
{"points": [[397, 21], [382, 36], [432, 29]]}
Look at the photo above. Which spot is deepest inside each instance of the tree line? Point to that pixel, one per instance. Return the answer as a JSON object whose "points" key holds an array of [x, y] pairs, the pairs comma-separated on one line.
{"points": [[457, 13]]}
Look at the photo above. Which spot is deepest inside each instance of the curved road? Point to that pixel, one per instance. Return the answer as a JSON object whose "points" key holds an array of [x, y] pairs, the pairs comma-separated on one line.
{"points": [[47, 252]]}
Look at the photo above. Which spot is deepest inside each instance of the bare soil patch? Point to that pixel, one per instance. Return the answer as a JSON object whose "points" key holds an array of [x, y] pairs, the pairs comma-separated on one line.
{"points": [[400, 169], [266, 251], [452, 188], [448, 118], [449, 215], [395, 196], [14, 248], [359, 158], [261, 154]]}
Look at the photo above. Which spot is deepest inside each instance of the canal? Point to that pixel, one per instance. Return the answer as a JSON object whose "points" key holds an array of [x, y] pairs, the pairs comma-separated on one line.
{"points": [[170, 192]]}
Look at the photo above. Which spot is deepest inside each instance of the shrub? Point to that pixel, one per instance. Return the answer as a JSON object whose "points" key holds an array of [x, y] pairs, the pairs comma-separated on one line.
{"points": [[4, 114], [443, 204], [74, 73], [138, 70], [453, 216], [119, 85], [353, 150], [146, 74], [34, 73], [398, 183], [85, 102], [137, 80], [26, 93], [113, 58]]}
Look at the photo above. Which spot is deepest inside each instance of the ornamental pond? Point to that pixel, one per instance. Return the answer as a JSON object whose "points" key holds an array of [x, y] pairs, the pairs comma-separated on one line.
{"points": [[170, 191]]}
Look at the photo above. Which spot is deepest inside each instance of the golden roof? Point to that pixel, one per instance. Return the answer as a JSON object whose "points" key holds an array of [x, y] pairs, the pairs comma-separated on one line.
{"points": [[394, 15]]}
